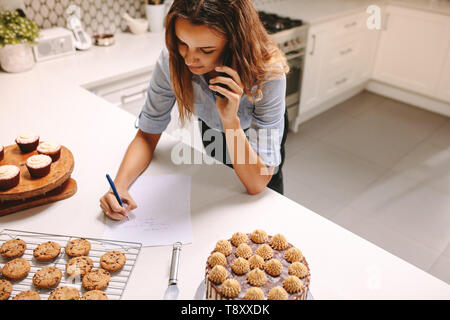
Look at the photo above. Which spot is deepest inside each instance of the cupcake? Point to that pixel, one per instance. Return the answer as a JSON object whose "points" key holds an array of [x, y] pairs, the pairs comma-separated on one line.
{"points": [[9, 177], [2, 153], [39, 165], [51, 149], [27, 142]]}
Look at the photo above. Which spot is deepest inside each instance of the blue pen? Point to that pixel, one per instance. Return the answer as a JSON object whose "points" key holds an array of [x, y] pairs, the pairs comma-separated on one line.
{"points": [[113, 187]]}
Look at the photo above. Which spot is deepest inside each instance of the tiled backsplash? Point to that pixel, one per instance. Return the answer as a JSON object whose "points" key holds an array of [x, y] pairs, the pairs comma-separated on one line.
{"points": [[97, 16]]}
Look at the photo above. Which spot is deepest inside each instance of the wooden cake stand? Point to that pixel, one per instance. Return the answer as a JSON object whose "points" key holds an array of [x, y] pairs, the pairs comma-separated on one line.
{"points": [[29, 193]]}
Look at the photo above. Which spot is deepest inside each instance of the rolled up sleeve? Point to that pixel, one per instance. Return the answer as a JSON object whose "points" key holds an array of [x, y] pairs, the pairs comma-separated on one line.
{"points": [[155, 114], [267, 125]]}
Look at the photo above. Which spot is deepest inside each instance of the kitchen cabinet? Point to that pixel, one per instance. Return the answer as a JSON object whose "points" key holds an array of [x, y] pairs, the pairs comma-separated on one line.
{"points": [[312, 71], [412, 50], [339, 57]]}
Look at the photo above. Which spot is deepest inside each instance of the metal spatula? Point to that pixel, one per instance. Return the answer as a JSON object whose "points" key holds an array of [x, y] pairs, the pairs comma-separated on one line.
{"points": [[172, 290]]}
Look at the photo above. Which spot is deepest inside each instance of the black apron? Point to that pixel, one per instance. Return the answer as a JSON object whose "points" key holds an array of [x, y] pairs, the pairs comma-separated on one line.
{"points": [[276, 183]]}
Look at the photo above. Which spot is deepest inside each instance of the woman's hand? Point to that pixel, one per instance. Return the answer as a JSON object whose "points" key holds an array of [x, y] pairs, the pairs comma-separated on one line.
{"points": [[111, 207], [228, 107]]}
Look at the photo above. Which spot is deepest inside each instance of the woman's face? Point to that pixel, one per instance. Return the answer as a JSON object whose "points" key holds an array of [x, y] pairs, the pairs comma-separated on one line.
{"points": [[200, 46]]}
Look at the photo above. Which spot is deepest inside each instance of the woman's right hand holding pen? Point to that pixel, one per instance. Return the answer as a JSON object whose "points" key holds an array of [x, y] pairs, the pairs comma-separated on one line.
{"points": [[111, 207]]}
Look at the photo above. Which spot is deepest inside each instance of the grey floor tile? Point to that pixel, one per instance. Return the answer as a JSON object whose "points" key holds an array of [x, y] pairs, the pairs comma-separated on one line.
{"points": [[297, 141], [447, 251], [319, 126], [360, 103], [337, 174], [429, 164], [441, 137], [385, 133], [390, 240], [441, 269], [410, 207], [309, 197]]}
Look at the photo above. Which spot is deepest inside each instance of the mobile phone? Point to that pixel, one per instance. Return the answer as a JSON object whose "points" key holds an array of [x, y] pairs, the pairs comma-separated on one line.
{"points": [[227, 61]]}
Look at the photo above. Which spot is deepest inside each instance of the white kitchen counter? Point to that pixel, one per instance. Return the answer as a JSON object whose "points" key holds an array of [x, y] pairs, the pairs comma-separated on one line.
{"points": [[50, 101], [131, 54]]}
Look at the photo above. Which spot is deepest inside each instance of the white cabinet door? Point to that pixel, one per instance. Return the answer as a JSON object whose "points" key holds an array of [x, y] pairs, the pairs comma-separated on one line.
{"points": [[443, 91], [412, 49], [310, 95], [340, 56], [369, 42]]}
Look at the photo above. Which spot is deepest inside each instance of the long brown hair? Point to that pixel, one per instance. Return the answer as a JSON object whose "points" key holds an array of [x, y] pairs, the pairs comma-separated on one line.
{"points": [[257, 57]]}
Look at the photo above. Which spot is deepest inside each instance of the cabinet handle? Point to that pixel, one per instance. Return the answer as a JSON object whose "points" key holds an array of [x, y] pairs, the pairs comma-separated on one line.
{"points": [[349, 25], [339, 82], [134, 96], [313, 45], [343, 52]]}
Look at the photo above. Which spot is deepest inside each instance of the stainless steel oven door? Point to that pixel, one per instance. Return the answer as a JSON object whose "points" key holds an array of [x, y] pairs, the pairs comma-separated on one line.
{"points": [[294, 78]]}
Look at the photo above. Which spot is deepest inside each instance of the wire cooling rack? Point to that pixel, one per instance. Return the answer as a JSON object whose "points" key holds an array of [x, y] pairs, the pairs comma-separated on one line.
{"points": [[116, 285]]}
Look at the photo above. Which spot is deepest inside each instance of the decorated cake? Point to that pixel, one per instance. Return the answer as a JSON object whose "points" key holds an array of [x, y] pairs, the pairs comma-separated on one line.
{"points": [[39, 165], [27, 141], [51, 149], [9, 176], [256, 266]]}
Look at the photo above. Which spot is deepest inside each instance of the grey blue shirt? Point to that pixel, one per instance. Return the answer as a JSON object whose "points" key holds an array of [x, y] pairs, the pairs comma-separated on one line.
{"points": [[265, 118]]}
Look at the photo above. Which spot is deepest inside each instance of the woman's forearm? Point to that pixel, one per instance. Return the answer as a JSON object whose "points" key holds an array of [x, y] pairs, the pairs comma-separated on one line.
{"points": [[249, 167], [137, 158]]}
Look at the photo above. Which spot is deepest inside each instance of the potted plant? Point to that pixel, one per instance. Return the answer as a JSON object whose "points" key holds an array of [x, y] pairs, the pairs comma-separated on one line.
{"points": [[17, 35]]}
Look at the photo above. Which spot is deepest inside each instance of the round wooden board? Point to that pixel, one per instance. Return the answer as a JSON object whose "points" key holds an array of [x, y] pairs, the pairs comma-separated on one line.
{"points": [[66, 190], [28, 187]]}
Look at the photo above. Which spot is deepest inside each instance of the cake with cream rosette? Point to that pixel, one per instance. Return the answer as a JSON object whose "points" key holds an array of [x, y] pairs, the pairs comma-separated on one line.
{"points": [[236, 270], [51, 149], [9, 176], [27, 141], [39, 165]]}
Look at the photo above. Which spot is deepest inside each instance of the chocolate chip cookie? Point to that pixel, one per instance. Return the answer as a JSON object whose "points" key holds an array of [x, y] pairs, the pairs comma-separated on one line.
{"points": [[78, 247], [47, 251], [5, 289], [65, 293], [13, 248], [47, 277], [27, 295], [79, 266], [16, 269], [113, 260], [94, 295], [96, 279]]}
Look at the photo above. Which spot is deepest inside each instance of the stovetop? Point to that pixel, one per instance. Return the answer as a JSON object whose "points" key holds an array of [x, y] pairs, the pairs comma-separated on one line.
{"points": [[275, 23]]}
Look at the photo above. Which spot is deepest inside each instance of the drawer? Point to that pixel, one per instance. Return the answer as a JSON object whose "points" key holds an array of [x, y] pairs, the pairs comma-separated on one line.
{"points": [[348, 25], [119, 84], [127, 95], [346, 50], [338, 82]]}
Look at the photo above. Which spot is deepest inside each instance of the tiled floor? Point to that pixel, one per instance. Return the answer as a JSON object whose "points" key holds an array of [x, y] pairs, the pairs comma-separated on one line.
{"points": [[381, 169]]}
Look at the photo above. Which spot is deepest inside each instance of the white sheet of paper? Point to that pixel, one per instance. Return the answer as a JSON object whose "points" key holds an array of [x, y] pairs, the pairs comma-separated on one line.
{"points": [[163, 215]]}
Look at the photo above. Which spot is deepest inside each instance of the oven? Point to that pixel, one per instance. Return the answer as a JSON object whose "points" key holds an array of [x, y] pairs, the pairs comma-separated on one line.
{"points": [[291, 36], [294, 83]]}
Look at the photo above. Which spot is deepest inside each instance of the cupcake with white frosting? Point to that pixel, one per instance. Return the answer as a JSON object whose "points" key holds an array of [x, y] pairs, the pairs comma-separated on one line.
{"points": [[39, 165], [27, 141], [9, 176], [51, 149]]}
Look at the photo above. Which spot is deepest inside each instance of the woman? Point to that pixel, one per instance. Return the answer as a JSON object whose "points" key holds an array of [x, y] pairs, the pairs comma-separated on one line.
{"points": [[244, 102]]}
